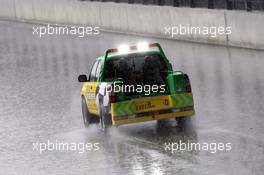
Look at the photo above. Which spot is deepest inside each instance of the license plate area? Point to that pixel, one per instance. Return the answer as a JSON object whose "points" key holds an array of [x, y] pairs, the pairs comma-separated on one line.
{"points": [[152, 104]]}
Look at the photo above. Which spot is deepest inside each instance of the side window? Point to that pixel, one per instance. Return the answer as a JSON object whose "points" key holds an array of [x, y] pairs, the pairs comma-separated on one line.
{"points": [[92, 76], [98, 69]]}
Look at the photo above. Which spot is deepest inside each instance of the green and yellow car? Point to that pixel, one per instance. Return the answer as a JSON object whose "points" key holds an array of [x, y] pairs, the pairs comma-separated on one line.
{"points": [[132, 84]]}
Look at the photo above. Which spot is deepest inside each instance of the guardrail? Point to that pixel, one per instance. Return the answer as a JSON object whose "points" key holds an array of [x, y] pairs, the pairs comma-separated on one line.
{"points": [[248, 5]]}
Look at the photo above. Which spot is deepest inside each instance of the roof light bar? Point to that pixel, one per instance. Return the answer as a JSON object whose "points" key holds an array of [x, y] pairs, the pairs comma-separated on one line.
{"points": [[143, 46], [153, 45], [123, 48]]}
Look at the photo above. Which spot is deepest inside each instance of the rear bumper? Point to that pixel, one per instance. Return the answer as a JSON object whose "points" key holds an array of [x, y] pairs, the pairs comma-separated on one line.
{"points": [[152, 108], [152, 116]]}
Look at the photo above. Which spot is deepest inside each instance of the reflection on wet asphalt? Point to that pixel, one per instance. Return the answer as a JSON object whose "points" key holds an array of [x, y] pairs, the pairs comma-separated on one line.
{"points": [[40, 101]]}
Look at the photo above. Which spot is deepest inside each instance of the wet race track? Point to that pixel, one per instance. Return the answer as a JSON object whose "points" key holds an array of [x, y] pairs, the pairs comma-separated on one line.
{"points": [[40, 101]]}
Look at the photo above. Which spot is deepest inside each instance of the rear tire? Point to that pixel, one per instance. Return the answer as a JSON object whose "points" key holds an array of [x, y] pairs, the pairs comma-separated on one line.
{"points": [[87, 117], [183, 121]]}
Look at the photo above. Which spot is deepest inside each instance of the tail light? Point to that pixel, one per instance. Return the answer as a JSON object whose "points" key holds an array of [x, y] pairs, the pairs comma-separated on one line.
{"points": [[188, 87], [188, 84], [112, 98]]}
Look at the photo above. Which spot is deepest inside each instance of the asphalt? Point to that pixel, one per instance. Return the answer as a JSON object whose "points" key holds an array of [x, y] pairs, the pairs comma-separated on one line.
{"points": [[40, 102]]}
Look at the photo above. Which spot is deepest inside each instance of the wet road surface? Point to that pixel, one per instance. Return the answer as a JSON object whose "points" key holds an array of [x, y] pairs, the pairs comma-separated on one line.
{"points": [[40, 101]]}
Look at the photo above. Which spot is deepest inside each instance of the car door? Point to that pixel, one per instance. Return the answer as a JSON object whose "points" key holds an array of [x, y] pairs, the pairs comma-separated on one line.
{"points": [[91, 87]]}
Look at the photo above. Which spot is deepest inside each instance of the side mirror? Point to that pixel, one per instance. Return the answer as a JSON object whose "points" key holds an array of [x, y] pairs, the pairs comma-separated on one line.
{"points": [[82, 78]]}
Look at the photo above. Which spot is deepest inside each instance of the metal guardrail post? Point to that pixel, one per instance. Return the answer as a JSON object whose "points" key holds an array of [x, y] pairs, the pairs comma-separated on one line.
{"points": [[160, 2], [211, 4], [229, 4], [176, 3], [249, 5], [192, 4]]}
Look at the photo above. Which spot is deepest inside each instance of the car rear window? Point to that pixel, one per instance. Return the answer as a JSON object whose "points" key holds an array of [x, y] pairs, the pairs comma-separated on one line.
{"points": [[137, 69]]}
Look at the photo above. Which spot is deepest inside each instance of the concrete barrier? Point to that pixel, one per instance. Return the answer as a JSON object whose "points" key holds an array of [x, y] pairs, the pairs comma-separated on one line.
{"points": [[208, 18], [45, 11], [7, 9], [112, 17], [142, 19], [86, 14], [24, 9], [247, 28]]}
